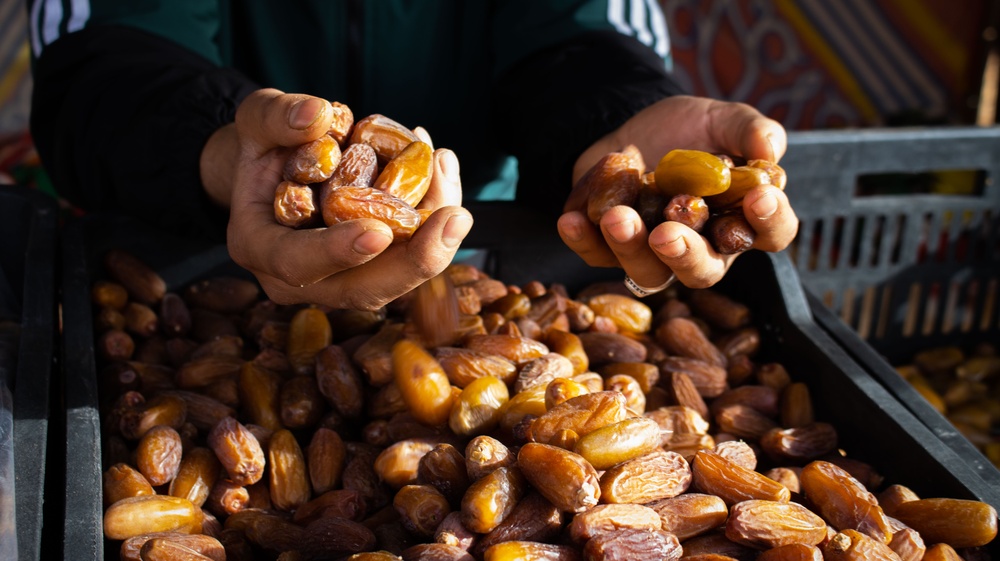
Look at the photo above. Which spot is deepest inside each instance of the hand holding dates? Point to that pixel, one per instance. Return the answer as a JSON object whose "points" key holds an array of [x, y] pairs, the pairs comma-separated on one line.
{"points": [[370, 251], [701, 158]]}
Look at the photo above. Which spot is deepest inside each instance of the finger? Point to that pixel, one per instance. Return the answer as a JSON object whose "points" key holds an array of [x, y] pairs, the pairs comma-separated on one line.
{"points": [[585, 240], [269, 118], [741, 130], [300, 258], [626, 236], [402, 267], [446, 182], [689, 255], [771, 215]]}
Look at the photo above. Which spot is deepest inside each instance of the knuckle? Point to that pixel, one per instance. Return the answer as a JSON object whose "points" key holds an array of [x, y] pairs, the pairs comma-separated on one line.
{"points": [[363, 300]]}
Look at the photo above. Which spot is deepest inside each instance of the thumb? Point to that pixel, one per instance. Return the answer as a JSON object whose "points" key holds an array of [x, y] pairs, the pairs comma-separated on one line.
{"points": [[269, 118]]}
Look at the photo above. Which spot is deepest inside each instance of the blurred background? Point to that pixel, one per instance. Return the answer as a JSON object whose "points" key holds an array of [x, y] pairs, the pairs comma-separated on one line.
{"points": [[810, 64]]}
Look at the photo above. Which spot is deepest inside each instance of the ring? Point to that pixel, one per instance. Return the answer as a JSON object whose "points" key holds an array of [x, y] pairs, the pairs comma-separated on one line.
{"points": [[642, 291]]}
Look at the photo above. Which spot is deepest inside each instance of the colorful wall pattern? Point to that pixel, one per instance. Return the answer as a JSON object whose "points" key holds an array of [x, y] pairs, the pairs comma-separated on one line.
{"points": [[814, 64]]}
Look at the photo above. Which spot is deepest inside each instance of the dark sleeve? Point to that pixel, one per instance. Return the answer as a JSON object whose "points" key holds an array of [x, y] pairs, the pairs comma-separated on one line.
{"points": [[119, 117], [553, 105]]}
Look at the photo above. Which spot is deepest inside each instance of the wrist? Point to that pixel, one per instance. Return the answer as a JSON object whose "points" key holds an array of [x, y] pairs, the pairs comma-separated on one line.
{"points": [[218, 157]]}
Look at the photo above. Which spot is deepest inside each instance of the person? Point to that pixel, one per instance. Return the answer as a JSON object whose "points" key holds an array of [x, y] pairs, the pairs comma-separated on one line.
{"points": [[183, 112]]}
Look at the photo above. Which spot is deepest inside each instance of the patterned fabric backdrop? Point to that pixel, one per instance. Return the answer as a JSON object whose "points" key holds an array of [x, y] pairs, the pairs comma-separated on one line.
{"points": [[814, 64]]}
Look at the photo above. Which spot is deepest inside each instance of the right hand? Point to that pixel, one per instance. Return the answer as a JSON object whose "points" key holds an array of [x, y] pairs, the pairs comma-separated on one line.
{"points": [[350, 265]]}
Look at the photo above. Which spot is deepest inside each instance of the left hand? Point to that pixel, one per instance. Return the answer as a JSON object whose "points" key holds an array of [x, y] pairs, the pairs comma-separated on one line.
{"points": [[650, 257]]}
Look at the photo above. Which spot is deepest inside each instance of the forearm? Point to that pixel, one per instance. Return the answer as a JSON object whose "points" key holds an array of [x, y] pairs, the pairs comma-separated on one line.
{"points": [[121, 117], [550, 108]]}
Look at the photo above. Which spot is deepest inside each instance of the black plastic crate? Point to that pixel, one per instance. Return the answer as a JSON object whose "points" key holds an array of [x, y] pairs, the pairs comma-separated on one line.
{"points": [[900, 271], [27, 299], [873, 426]]}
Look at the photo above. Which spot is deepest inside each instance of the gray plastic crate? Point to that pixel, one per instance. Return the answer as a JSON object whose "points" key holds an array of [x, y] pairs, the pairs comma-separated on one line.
{"points": [[906, 270], [892, 274]]}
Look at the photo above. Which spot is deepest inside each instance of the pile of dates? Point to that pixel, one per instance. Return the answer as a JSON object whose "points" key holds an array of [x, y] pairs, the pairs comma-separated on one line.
{"points": [[701, 190], [964, 386], [472, 420], [374, 168]]}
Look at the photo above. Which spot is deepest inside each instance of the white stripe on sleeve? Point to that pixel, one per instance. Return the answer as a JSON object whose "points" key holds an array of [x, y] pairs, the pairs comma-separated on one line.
{"points": [[53, 17], [616, 16], [637, 15], [80, 15]]}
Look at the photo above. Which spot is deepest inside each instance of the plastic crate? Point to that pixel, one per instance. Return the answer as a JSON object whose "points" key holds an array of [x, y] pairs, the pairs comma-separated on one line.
{"points": [[906, 269], [893, 274], [27, 298], [873, 426]]}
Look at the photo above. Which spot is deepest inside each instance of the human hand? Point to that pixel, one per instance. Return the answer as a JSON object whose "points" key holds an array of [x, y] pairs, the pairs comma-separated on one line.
{"points": [[349, 265], [651, 257]]}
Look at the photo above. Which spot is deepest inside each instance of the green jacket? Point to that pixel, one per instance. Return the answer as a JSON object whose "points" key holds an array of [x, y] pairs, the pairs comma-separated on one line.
{"points": [[126, 92]]}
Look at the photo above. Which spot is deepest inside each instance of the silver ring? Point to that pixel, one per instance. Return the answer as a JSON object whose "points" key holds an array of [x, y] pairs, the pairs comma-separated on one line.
{"points": [[642, 291]]}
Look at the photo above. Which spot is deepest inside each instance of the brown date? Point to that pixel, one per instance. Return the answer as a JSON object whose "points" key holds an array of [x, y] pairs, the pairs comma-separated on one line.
{"points": [[609, 518], [566, 479], [339, 381], [690, 514], [121, 481], [614, 180], [492, 498], [313, 161], [140, 281], [533, 519], [286, 468], [196, 476], [133, 516], [843, 501], [238, 450], [295, 205], [386, 136], [691, 172], [355, 202], [422, 382], [957, 522], [730, 234], [851, 545], [689, 210], [766, 524], [714, 474], [526, 549], [619, 442], [158, 455], [633, 544], [742, 180], [408, 174], [207, 546], [651, 477]]}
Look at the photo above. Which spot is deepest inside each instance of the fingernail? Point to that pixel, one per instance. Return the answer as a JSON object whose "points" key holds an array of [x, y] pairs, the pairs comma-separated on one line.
{"points": [[571, 230], [765, 206], [773, 143], [448, 163], [456, 229], [622, 231], [306, 112], [674, 248], [371, 242]]}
